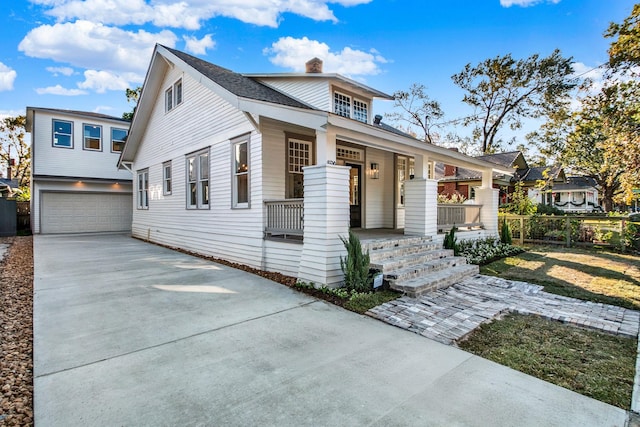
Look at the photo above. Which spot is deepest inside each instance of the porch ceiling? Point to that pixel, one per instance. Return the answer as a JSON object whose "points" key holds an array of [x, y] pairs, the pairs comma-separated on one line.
{"points": [[373, 136]]}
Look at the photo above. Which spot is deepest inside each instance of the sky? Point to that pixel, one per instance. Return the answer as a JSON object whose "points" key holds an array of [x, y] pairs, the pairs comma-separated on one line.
{"points": [[83, 54]]}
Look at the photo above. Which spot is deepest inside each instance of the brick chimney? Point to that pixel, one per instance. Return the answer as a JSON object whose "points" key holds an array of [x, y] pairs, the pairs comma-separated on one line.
{"points": [[314, 66], [450, 170]]}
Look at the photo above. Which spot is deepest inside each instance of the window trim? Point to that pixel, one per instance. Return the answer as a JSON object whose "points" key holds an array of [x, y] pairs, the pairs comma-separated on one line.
{"points": [[352, 105], [196, 156], [173, 96], [84, 138], [312, 158], [142, 189], [53, 133], [167, 179], [126, 133], [235, 174]]}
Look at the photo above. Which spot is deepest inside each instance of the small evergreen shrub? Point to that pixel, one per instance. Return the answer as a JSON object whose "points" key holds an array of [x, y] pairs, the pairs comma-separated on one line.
{"points": [[355, 266], [549, 210], [505, 233], [450, 240]]}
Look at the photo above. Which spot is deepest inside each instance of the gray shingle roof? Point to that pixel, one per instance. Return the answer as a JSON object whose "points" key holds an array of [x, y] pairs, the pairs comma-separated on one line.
{"points": [[577, 183], [502, 159], [238, 84], [81, 113]]}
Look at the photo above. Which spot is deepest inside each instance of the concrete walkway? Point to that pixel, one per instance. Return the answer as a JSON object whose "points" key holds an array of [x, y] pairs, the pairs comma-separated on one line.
{"points": [[131, 334]]}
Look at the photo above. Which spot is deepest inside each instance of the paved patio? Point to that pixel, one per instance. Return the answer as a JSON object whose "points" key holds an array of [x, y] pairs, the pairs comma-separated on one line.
{"points": [[449, 314]]}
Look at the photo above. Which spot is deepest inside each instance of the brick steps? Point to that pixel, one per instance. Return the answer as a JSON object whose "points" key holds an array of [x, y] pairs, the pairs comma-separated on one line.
{"points": [[417, 265]]}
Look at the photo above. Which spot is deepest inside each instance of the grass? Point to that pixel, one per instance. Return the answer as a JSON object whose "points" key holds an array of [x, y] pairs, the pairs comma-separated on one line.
{"points": [[588, 362], [588, 274], [361, 303]]}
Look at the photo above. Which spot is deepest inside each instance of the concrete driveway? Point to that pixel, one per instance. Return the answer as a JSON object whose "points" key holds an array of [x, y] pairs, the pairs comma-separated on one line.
{"points": [[131, 334]]}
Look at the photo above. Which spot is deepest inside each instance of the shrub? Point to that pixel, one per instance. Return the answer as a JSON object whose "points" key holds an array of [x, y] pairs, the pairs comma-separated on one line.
{"points": [[484, 251], [355, 266], [549, 210], [505, 233], [450, 240]]}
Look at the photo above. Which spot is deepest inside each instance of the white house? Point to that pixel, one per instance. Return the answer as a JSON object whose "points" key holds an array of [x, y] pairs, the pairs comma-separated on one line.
{"points": [[269, 170], [76, 185], [578, 194]]}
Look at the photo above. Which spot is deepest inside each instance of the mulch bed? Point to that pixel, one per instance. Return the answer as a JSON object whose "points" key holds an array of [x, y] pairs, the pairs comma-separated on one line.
{"points": [[16, 332]]}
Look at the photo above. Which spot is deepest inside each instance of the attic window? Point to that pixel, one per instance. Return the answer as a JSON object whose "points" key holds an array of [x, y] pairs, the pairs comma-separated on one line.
{"points": [[173, 96], [346, 106]]}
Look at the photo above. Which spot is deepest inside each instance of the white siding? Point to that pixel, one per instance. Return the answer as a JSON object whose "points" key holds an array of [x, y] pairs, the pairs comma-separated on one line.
{"points": [[76, 161], [313, 91], [202, 120], [379, 201], [274, 151], [283, 257]]}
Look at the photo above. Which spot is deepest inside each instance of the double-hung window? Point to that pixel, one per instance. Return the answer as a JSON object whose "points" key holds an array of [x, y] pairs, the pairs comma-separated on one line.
{"points": [[347, 106], [118, 136], [62, 134], [166, 178], [299, 155], [143, 189], [173, 96], [240, 177], [198, 180], [92, 135]]}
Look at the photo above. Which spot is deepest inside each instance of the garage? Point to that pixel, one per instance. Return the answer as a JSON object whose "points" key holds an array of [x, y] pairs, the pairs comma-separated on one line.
{"points": [[66, 212]]}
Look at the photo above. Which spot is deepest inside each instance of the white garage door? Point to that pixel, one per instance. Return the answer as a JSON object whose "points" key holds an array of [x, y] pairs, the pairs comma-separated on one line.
{"points": [[85, 212]]}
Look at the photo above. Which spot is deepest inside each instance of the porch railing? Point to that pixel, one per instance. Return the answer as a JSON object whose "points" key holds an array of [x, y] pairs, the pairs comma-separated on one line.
{"points": [[461, 216], [284, 218]]}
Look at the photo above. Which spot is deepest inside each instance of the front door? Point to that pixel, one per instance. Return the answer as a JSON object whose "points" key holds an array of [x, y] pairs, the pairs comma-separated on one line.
{"points": [[355, 195]]}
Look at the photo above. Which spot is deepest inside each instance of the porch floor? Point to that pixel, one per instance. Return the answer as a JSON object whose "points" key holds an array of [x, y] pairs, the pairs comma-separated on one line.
{"points": [[368, 235]]}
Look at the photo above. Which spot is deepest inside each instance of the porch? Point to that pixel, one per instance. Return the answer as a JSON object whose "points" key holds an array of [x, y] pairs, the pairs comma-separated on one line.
{"points": [[284, 219]]}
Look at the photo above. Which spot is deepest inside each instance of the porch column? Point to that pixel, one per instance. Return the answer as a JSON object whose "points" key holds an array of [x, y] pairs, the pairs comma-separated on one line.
{"points": [[421, 207], [325, 148], [326, 218], [487, 178], [488, 198]]}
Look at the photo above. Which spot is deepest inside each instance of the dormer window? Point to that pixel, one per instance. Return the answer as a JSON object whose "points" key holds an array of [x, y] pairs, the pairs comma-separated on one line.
{"points": [[346, 106], [173, 96]]}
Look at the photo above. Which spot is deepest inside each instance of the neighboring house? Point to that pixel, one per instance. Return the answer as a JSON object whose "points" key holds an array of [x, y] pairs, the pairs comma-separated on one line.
{"points": [[462, 181], [578, 194], [270, 170], [76, 185]]}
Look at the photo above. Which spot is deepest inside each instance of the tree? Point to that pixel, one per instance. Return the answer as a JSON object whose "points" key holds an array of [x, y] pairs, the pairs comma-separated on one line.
{"points": [[13, 146], [624, 52], [132, 96], [504, 91], [601, 139], [417, 109]]}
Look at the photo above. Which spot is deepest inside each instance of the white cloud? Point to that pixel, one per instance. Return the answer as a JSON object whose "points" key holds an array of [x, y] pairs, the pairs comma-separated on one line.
{"points": [[92, 45], [104, 109], [525, 3], [7, 77], [102, 81], [65, 71], [190, 14], [59, 90], [198, 47], [293, 53], [11, 113]]}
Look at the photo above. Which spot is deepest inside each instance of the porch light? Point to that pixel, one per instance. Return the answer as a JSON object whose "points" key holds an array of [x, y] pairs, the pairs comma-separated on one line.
{"points": [[375, 171]]}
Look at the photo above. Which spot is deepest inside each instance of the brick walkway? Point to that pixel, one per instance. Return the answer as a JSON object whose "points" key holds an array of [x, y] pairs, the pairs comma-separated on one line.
{"points": [[449, 314]]}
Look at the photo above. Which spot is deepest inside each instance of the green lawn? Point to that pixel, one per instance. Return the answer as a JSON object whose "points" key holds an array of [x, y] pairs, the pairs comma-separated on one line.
{"points": [[588, 274], [591, 363]]}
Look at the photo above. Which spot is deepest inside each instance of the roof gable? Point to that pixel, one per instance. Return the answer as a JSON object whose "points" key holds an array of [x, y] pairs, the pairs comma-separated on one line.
{"points": [[236, 83]]}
